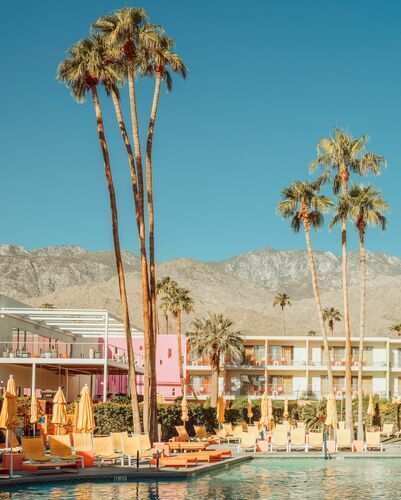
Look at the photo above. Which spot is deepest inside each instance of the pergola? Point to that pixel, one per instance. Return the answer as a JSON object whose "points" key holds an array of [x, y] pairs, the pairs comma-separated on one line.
{"points": [[76, 324]]}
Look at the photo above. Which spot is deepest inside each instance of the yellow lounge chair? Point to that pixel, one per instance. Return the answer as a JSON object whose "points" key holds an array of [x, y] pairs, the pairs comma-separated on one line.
{"points": [[83, 441], [14, 443], [247, 442], [175, 462], [201, 433], [341, 425], [344, 439], [130, 446], [372, 441], [228, 428], [254, 429], [34, 450], [279, 440], [117, 437], [298, 440], [103, 448], [60, 446], [315, 441], [388, 430], [221, 434], [182, 432]]}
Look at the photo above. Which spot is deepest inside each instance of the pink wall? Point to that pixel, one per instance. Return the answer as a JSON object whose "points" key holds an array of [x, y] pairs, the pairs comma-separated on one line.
{"points": [[167, 373]]}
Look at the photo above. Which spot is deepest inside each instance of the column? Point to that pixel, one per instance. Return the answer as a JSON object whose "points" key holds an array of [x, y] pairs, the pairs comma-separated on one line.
{"points": [[105, 361], [33, 385]]}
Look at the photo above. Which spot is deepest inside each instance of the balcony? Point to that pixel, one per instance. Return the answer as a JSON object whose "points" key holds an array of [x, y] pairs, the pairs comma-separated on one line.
{"points": [[197, 362], [204, 390]]}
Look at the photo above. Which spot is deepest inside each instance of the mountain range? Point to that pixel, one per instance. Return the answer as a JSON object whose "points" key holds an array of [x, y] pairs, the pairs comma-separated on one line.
{"points": [[242, 287]]}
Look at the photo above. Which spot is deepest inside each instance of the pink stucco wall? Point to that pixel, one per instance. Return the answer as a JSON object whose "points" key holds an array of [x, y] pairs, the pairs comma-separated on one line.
{"points": [[167, 373]]}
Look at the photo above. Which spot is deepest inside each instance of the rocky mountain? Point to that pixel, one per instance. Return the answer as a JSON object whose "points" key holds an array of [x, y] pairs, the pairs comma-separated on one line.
{"points": [[242, 288]]}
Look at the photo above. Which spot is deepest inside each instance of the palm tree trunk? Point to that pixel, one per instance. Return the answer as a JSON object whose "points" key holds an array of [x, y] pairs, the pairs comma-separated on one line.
{"points": [[215, 388], [166, 319], [348, 374], [319, 307], [119, 263], [282, 312], [149, 392], [180, 357], [362, 261]]}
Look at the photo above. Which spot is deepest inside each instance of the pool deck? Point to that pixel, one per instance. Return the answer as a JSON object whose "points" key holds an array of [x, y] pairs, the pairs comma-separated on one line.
{"points": [[123, 474]]}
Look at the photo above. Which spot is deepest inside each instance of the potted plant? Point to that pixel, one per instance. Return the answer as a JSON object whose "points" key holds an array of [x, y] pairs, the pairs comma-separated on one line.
{"points": [[47, 353], [54, 352]]}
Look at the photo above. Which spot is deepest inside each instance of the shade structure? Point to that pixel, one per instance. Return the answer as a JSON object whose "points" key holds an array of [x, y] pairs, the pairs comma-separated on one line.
{"points": [[59, 416], [250, 412], [85, 420], [184, 410], [264, 410], [286, 412], [371, 408], [331, 412], [221, 408], [8, 415]]}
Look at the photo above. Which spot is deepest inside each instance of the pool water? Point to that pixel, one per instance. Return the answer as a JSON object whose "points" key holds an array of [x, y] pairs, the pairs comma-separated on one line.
{"points": [[259, 478]]}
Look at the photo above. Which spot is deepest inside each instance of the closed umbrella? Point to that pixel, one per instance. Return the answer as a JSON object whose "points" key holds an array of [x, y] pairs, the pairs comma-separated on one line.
{"points": [[286, 413], [34, 412], [8, 415], [331, 412], [59, 416], [264, 410], [86, 419], [270, 417], [184, 410], [371, 409], [250, 412], [221, 408]]}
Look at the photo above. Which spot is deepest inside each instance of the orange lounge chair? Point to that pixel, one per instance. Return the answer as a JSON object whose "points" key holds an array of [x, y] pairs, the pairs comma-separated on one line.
{"points": [[103, 448], [34, 450], [82, 441], [60, 446], [174, 462], [193, 446], [182, 433]]}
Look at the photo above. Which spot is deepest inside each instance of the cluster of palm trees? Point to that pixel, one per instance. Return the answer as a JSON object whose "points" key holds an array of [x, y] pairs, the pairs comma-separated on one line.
{"points": [[122, 47], [339, 156]]}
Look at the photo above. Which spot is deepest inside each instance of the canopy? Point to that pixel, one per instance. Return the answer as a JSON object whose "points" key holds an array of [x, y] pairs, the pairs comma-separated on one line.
{"points": [[371, 408], [184, 410], [86, 420], [331, 412], [59, 416], [221, 408], [8, 415], [286, 413], [264, 410], [250, 413]]}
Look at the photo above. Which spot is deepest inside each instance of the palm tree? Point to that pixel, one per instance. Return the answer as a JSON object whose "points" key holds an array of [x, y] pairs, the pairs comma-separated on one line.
{"points": [[331, 314], [303, 204], [153, 60], [176, 301], [344, 154], [82, 71], [364, 206], [163, 285], [126, 30], [396, 328], [282, 300], [214, 337]]}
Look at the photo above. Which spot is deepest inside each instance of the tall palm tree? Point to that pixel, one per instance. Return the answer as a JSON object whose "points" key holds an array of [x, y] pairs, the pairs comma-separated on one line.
{"points": [[176, 301], [214, 337], [396, 328], [163, 285], [331, 314], [154, 59], [303, 204], [82, 71], [282, 300], [344, 154], [126, 30], [364, 206]]}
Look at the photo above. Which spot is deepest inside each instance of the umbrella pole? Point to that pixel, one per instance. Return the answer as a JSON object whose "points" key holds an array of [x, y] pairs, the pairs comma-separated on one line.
{"points": [[11, 455]]}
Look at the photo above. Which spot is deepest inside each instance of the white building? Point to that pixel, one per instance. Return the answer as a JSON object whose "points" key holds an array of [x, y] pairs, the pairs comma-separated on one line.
{"points": [[294, 367]]}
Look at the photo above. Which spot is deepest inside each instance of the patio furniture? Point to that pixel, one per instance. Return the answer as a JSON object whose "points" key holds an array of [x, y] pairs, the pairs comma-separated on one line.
{"points": [[372, 441], [60, 446], [103, 448]]}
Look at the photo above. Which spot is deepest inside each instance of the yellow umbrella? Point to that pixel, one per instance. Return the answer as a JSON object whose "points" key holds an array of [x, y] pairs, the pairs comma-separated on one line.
{"points": [[286, 413], [221, 408], [34, 410], [371, 409], [331, 412], [264, 410], [184, 410], [270, 417], [8, 415], [250, 412], [59, 416], [86, 420]]}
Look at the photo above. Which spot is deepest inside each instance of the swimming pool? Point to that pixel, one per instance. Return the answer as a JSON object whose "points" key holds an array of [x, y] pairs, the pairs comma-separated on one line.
{"points": [[258, 478]]}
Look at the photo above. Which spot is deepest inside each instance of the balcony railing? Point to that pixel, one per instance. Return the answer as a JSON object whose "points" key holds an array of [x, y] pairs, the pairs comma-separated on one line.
{"points": [[199, 390], [198, 361]]}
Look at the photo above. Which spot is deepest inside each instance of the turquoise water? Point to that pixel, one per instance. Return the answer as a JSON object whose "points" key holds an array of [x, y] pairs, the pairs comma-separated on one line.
{"points": [[259, 478]]}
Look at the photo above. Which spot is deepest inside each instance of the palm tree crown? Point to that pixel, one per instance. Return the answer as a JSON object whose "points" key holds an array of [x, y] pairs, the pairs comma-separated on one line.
{"points": [[345, 154], [396, 328], [214, 337], [331, 314], [177, 300], [282, 300]]}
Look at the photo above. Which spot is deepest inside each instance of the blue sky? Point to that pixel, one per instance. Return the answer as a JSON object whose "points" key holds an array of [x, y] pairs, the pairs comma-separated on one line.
{"points": [[267, 79]]}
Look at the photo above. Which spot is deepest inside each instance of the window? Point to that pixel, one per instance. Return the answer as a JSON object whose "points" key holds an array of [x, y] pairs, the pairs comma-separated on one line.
{"points": [[169, 352]]}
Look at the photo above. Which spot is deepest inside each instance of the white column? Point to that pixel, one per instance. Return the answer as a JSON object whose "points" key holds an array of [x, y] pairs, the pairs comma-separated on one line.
{"points": [[33, 385], [105, 346], [388, 370], [67, 389]]}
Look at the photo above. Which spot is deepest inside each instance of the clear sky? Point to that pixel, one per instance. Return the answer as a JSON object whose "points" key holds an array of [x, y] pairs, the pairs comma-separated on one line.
{"points": [[267, 79]]}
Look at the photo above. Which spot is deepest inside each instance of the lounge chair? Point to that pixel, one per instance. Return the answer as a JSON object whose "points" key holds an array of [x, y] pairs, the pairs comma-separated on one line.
{"points": [[341, 425], [174, 462], [228, 428], [244, 426], [279, 440], [221, 434], [60, 446], [131, 448], [372, 441], [193, 446], [182, 433], [247, 442], [282, 428], [254, 429], [315, 441], [344, 439], [34, 450], [14, 443], [83, 441], [201, 433], [298, 440], [388, 430], [103, 448], [236, 434], [117, 437]]}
